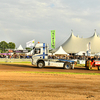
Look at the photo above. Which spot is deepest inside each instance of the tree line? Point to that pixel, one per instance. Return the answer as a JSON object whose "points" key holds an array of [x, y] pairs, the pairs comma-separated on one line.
{"points": [[4, 46]]}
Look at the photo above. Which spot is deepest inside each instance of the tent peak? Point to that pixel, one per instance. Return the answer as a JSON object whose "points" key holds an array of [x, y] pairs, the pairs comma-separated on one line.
{"points": [[60, 51], [72, 34], [20, 47], [95, 34]]}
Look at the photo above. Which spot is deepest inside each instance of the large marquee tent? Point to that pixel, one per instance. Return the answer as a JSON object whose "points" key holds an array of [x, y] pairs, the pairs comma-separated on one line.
{"points": [[76, 44]]}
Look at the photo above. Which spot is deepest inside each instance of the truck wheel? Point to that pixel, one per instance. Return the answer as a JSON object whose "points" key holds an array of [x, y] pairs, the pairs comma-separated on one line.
{"points": [[32, 62], [98, 67], [40, 64], [67, 65]]}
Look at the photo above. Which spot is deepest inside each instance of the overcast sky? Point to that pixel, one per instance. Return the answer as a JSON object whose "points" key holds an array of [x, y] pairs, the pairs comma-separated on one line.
{"points": [[24, 20]]}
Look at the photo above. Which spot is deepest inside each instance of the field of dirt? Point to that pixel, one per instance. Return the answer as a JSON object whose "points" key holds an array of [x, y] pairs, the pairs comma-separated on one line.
{"points": [[15, 84]]}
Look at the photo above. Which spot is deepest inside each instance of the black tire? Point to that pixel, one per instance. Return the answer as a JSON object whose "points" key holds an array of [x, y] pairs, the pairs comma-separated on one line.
{"points": [[40, 64], [67, 65], [32, 61], [98, 68]]}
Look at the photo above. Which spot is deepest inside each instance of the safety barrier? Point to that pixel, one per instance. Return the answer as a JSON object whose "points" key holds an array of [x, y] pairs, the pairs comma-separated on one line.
{"points": [[81, 61]]}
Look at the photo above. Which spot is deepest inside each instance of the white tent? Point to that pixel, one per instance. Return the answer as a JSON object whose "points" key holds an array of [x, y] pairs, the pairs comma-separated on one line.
{"points": [[97, 54], [81, 53], [76, 44], [60, 51], [20, 50], [20, 47], [92, 54]]}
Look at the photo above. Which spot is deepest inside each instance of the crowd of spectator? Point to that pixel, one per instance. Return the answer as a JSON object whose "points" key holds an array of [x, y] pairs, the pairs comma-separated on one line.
{"points": [[67, 57], [20, 56]]}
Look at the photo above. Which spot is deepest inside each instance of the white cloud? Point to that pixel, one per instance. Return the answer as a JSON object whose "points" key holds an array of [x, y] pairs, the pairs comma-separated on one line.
{"points": [[35, 18]]}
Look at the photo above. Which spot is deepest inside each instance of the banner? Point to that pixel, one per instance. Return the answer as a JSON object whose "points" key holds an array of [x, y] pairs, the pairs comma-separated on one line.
{"points": [[89, 46], [30, 43], [89, 49], [53, 39]]}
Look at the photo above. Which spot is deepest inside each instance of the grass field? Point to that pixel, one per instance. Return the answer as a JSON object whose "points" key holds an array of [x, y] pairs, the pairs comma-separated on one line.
{"points": [[80, 65], [69, 73], [24, 62], [28, 62]]}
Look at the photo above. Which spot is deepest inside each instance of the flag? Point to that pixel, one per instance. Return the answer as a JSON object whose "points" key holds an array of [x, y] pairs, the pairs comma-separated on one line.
{"points": [[53, 39], [30, 43], [89, 49], [89, 46]]}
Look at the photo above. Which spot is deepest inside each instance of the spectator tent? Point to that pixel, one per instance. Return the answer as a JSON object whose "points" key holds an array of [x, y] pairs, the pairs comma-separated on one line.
{"points": [[20, 50], [60, 51], [75, 44], [81, 53], [98, 54]]}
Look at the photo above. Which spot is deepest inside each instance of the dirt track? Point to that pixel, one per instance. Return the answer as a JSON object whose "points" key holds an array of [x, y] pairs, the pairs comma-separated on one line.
{"points": [[30, 86]]}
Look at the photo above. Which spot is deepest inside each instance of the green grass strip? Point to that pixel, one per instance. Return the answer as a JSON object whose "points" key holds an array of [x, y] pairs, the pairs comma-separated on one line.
{"points": [[49, 72], [15, 62], [80, 65], [69, 73]]}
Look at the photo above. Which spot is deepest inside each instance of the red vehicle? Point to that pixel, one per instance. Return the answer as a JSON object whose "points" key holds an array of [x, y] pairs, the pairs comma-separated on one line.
{"points": [[93, 64]]}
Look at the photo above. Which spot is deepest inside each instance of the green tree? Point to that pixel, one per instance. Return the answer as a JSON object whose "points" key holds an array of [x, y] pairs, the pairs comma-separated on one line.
{"points": [[11, 45], [3, 46], [29, 49]]}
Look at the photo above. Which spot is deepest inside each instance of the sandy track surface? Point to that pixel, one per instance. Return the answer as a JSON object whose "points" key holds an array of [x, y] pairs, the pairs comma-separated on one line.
{"points": [[29, 67], [31, 86]]}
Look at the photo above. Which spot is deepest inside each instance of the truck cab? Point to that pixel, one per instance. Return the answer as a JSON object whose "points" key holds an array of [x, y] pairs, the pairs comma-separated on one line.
{"points": [[40, 52]]}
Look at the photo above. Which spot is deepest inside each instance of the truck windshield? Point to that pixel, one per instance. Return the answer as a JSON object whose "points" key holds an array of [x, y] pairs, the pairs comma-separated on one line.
{"points": [[37, 50]]}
